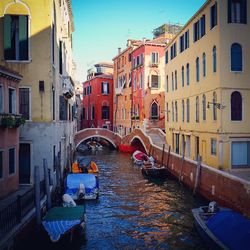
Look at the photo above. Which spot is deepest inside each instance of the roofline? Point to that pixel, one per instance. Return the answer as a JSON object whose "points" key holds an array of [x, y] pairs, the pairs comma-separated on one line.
{"points": [[99, 76], [122, 52], [189, 21]]}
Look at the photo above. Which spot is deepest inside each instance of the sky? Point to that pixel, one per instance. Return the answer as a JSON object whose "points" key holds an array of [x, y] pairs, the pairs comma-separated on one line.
{"points": [[102, 26]]}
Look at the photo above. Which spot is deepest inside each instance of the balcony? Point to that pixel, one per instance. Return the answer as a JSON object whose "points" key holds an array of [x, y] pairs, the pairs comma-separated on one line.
{"points": [[68, 87], [11, 120]]}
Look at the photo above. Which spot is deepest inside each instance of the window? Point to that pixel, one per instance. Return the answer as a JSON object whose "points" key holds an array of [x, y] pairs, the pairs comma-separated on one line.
{"points": [[173, 51], [83, 113], [182, 46], [197, 69], [24, 102], [236, 57], [187, 39], [182, 76], [154, 58], [167, 110], [197, 105], [214, 59], [203, 26], [60, 58], [196, 31], [105, 112], [1, 164], [172, 112], [188, 111], [188, 74], [63, 109], [154, 111], [237, 11], [236, 106], [167, 83], [12, 160], [213, 146], [214, 106], [12, 101], [155, 81], [1, 99], [172, 81], [176, 111], [92, 112], [204, 64], [175, 77], [204, 106], [166, 57], [183, 110], [16, 37], [105, 88], [177, 143], [213, 15]]}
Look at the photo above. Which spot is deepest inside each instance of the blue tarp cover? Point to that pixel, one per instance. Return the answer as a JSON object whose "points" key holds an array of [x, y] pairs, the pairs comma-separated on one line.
{"points": [[231, 228], [73, 181]]}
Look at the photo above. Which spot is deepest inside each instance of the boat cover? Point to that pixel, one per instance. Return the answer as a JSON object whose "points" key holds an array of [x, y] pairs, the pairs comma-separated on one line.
{"points": [[231, 228], [59, 220], [138, 155], [73, 181]]}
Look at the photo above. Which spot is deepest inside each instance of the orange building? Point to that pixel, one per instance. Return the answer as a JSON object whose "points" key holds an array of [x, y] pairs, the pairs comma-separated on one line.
{"points": [[122, 88]]}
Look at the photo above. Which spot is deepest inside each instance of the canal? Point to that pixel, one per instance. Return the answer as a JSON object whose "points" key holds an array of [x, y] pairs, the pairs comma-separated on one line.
{"points": [[136, 213]]}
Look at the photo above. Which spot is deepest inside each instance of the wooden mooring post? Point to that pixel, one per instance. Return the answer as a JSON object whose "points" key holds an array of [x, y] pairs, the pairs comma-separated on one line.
{"points": [[37, 195], [197, 176], [169, 149], [162, 156], [182, 160], [46, 177]]}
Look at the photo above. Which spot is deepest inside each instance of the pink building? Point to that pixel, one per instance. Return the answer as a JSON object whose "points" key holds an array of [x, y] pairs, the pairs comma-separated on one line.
{"points": [[148, 80], [9, 131]]}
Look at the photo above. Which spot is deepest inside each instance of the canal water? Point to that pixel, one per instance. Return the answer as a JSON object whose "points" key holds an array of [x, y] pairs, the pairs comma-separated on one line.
{"points": [[136, 213]]}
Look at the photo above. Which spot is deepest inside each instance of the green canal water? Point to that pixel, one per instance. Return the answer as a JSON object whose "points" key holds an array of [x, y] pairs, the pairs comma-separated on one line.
{"points": [[133, 212]]}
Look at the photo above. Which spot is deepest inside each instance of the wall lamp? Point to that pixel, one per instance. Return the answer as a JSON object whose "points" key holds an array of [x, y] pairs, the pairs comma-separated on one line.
{"points": [[216, 105]]}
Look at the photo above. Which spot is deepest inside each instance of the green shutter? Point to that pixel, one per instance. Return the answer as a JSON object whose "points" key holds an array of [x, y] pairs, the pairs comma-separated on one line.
{"points": [[8, 54], [23, 38]]}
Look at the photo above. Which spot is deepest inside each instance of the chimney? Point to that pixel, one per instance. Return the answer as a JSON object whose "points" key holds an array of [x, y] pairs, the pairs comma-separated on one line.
{"points": [[119, 51], [143, 39], [128, 43]]}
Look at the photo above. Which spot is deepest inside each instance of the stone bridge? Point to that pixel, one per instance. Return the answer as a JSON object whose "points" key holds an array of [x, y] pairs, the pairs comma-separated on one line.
{"points": [[154, 137]]}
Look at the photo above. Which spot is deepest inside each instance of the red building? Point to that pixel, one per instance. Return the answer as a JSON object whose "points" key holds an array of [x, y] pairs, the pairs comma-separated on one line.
{"points": [[10, 120], [98, 97]]}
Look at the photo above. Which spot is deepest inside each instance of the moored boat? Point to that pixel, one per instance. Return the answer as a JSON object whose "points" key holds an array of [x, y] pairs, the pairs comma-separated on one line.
{"points": [[63, 221], [82, 186], [139, 157], [222, 228], [154, 170], [94, 145]]}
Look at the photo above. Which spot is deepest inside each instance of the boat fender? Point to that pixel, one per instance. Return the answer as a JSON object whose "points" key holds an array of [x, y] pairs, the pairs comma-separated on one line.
{"points": [[68, 201], [81, 192], [212, 207]]}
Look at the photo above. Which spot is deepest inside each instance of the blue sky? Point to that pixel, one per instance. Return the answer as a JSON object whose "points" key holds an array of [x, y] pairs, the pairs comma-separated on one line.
{"points": [[101, 26]]}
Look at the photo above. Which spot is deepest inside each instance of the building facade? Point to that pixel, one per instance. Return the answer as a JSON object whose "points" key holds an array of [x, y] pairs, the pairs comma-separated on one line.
{"points": [[123, 88], [10, 121], [36, 37], [148, 95], [98, 97], [207, 86]]}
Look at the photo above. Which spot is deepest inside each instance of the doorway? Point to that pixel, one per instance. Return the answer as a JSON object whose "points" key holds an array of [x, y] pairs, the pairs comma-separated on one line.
{"points": [[24, 163]]}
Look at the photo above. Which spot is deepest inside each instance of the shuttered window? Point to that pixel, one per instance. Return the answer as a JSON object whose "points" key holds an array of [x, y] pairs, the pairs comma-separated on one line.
{"points": [[12, 161], [16, 37], [236, 57], [24, 103], [237, 11], [105, 88], [105, 112], [240, 154], [63, 109]]}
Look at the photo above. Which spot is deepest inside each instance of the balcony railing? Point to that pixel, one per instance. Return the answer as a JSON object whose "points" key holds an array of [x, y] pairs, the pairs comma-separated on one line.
{"points": [[11, 120]]}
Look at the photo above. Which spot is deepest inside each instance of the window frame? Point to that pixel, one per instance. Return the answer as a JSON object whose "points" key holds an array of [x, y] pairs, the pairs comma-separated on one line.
{"points": [[213, 148], [14, 170]]}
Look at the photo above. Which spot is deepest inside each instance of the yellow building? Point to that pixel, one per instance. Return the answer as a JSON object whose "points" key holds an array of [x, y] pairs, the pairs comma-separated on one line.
{"points": [[208, 86], [36, 41]]}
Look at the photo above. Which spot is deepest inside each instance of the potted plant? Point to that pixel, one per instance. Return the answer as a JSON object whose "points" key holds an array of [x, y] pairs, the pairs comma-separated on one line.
{"points": [[8, 121], [19, 121]]}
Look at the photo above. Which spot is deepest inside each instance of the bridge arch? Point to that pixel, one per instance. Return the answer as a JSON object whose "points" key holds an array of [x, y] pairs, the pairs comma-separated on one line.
{"points": [[106, 134]]}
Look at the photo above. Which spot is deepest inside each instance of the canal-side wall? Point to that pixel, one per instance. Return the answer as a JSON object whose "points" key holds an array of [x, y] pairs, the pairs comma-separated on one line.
{"points": [[213, 184]]}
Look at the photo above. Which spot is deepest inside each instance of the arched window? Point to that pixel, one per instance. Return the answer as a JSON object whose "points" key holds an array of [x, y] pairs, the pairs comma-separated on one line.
{"points": [[197, 105], [214, 59], [182, 76], [236, 106], [197, 69], [175, 77], [176, 111], [214, 106], [105, 112], [172, 112], [188, 74], [204, 64], [236, 57], [204, 115], [188, 110], [154, 111], [183, 110]]}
